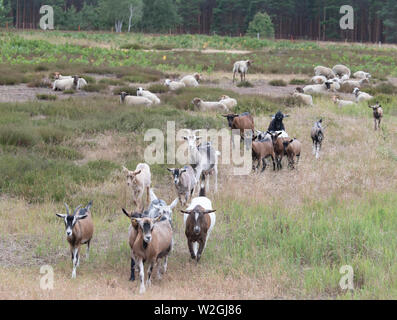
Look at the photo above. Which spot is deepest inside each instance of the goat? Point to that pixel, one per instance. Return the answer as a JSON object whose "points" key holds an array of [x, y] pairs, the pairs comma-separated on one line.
{"points": [[139, 180], [318, 80], [203, 159], [159, 207], [152, 243], [240, 122], [66, 84], [185, 182], [261, 150], [278, 146], [317, 135], [292, 148], [79, 230], [277, 122], [241, 67], [199, 219], [378, 114]]}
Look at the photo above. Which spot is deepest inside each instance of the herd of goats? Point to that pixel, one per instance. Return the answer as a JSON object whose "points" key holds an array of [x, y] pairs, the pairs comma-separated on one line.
{"points": [[150, 233]]}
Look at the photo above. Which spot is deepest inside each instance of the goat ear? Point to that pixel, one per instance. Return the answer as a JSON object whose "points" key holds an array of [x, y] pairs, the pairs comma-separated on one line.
{"points": [[89, 205], [125, 169], [174, 203], [137, 172], [126, 213], [60, 215], [208, 211], [291, 140]]}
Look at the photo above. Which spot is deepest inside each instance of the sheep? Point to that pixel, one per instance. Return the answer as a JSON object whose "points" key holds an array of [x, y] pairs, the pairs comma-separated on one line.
{"points": [[174, 85], [278, 146], [149, 95], [185, 182], [317, 88], [139, 181], [228, 102], [202, 158], [261, 150], [191, 80], [65, 84], [324, 71], [318, 79], [362, 75], [378, 114], [152, 243], [277, 122], [134, 100], [317, 135], [341, 70], [342, 103], [209, 106], [241, 67], [81, 83], [303, 98], [240, 122], [199, 219], [292, 148], [58, 76], [79, 230], [349, 85], [334, 85], [361, 96]]}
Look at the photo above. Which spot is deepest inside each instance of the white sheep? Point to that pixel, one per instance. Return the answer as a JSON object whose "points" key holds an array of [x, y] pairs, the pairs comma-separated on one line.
{"points": [[324, 71], [208, 105], [241, 67], [228, 102], [317, 88], [342, 103], [65, 84], [149, 95], [350, 85], [303, 98], [134, 100], [81, 83], [58, 76], [341, 70], [362, 75], [191, 80], [174, 85], [318, 80], [361, 96]]}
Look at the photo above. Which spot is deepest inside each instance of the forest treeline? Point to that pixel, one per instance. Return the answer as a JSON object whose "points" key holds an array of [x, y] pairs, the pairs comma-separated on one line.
{"points": [[374, 20]]}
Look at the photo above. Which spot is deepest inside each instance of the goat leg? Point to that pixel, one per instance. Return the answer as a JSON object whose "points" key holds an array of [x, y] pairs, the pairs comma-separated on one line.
{"points": [[190, 246], [149, 274], [200, 249], [142, 288], [132, 277]]}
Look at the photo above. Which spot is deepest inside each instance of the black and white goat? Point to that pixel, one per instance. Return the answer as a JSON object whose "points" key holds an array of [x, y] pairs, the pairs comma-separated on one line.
{"points": [[317, 135], [185, 182]]}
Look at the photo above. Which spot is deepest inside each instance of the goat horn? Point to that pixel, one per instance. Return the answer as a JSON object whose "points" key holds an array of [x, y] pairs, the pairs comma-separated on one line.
{"points": [[77, 209], [67, 208]]}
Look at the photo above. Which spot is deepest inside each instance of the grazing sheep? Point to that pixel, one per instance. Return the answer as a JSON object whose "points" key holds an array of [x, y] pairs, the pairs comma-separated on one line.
{"points": [[174, 85], [303, 98], [261, 150], [241, 67], [318, 80], [58, 76], [149, 95], [79, 230], [317, 135], [341, 70], [199, 219], [134, 100], [362, 75], [152, 243], [65, 84], [208, 105], [378, 114], [292, 148], [334, 85], [139, 181], [191, 80], [361, 96], [277, 123], [349, 85], [185, 182], [317, 88], [81, 83], [324, 71], [228, 102], [342, 103]]}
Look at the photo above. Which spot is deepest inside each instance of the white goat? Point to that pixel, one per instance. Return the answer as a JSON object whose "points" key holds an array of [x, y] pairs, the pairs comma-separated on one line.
{"points": [[139, 181], [241, 67], [65, 84]]}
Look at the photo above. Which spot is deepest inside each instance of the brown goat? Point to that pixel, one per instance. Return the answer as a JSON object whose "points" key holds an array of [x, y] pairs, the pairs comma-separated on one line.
{"points": [[153, 242], [79, 230], [278, 147], [292, 149], [262, 150], [378, 114], [240, 122]]}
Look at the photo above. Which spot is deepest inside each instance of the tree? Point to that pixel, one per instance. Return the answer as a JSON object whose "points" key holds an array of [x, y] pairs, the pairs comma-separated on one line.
{"points": [[120, 11], [389, 14], [5, 9], [160, 15], [261, 24]]}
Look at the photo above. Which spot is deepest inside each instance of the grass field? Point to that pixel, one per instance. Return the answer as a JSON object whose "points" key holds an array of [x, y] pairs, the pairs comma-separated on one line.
{"points": [[282, 235]]}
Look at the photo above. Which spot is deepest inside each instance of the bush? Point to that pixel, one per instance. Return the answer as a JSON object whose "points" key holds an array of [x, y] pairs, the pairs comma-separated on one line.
{"points": [[95, 87], [298, 82], [245, 84], [278, 83], [261, 24], [158, 88], [18, 136], [51, 97], [130, 90]]}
